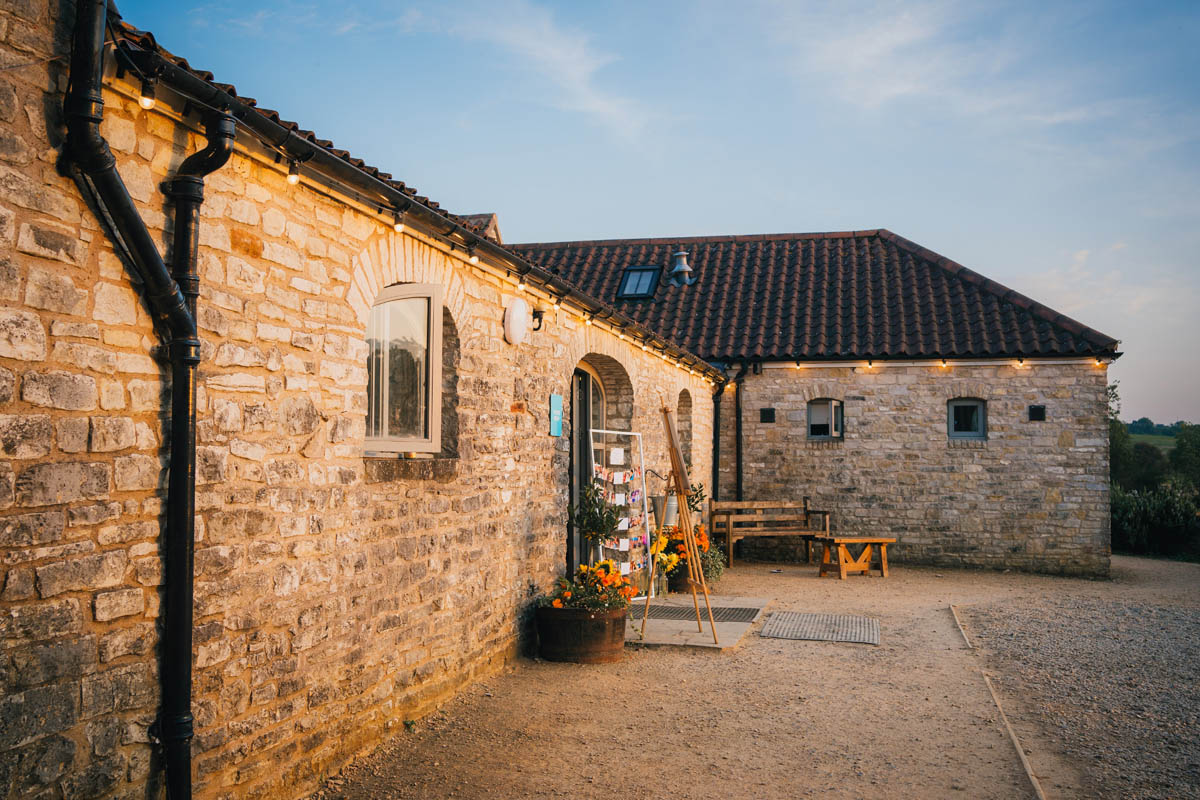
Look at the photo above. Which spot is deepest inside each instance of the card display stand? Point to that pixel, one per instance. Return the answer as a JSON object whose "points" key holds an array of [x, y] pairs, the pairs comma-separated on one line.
{"points": [[621, 473]]}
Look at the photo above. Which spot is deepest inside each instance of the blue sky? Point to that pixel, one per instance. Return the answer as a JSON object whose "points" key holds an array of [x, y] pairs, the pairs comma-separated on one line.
{"points": [[1053, 147]]}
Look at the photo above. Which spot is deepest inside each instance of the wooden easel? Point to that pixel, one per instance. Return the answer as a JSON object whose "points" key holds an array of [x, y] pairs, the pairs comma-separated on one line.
{"points": [[681, 486]]}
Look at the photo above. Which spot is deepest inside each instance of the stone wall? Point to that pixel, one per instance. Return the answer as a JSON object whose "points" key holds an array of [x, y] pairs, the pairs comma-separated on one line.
{"points": [[336, 595], [1033, 496]]}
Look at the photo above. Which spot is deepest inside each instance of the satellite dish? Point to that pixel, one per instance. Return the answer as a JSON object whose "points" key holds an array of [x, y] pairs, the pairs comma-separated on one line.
{"points": [[516, 321]]}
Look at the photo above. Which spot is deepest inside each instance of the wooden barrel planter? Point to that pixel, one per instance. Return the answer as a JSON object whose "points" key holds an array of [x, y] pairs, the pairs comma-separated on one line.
{"points": [[581, 636]]}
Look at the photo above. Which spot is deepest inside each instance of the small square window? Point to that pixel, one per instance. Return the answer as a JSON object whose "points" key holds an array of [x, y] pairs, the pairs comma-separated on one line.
{"points": [[967, 418], [766, 415], [639, 282], [1037, 413], [825, 419]]}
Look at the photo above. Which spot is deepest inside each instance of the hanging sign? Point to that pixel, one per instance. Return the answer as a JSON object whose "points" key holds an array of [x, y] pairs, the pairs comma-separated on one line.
{"points": [[556, 411]]}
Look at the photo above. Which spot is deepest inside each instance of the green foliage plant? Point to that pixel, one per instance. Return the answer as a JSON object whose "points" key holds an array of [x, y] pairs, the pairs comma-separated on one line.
{"points": [[594, 517]]}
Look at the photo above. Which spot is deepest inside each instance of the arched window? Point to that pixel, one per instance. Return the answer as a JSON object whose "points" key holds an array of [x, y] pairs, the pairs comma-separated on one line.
{"points": [[825, 419], [404, 370], [684, 417], [966, 418]]}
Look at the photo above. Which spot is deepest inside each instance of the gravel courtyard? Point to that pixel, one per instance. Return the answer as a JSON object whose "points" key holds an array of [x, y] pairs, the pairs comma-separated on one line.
{"points": [[1099, 678]]}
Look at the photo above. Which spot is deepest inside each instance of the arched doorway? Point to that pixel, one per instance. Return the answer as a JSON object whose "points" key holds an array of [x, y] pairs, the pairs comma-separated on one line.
{"points": [[601, 398]]}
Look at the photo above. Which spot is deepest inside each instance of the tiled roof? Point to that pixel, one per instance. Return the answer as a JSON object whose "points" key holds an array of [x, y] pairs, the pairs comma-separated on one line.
{"points": [[144, 40], [821, 296], [486, 225]]}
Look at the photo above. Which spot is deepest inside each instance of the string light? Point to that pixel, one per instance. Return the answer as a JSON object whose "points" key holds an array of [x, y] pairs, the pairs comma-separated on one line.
{"points": [[521, 285], [398, 222], [587, 320], [293, 172], [944, 364], [146, 97]]}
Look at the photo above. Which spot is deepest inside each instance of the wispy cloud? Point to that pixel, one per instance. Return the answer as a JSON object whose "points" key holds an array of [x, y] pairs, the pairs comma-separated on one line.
{"points": [[957, 58], [563, 58]]}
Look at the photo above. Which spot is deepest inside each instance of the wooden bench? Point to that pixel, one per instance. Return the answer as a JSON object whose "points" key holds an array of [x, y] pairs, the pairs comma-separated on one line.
{"points": [[738, 519], [845, 563]]}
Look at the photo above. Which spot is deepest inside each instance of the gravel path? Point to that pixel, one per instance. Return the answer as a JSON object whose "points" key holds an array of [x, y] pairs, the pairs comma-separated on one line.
{"points": [[1108, 677], [911, 718]]}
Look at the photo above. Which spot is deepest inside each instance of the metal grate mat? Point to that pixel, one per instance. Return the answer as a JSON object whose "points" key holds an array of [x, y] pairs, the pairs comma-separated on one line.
{"points": [[687, 612], [821, 627]]}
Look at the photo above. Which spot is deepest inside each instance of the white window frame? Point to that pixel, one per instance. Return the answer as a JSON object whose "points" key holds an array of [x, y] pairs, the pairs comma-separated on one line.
{"points": [[981, 404], [433, 401], [837, 419]]}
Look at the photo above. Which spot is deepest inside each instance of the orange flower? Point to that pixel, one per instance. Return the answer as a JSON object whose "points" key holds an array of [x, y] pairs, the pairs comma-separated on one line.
{"points": [[557, 603], [566, 595]]}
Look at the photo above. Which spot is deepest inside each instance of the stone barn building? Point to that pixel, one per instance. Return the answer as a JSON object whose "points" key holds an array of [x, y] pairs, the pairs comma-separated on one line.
{"points": [[907, 394], [286, 449]]}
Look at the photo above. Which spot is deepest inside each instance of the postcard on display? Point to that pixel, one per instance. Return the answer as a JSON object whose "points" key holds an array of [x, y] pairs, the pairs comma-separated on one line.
{"points": [[616, 456]]}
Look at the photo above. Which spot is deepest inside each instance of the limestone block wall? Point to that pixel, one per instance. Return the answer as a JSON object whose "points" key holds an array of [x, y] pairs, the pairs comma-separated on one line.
{"points": [[336, 595], [1033, 496]]}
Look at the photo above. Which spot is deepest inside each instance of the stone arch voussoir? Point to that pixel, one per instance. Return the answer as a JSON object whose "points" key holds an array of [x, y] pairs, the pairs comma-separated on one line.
{"points": [[818, 390], [397, 258]]}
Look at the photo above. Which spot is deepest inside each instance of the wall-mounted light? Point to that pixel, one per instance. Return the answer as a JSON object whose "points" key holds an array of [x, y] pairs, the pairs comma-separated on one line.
{"points": [[293, 176], [146, 96], [538, 316]]}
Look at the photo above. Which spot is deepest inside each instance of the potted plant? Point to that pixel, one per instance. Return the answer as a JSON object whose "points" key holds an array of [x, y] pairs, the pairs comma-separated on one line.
{"points": [[594, 517], [671, 554], [583, 620]]}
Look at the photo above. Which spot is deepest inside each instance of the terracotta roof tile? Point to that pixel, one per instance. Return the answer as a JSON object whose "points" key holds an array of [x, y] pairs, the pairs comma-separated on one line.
{"points": [[821, 296]]}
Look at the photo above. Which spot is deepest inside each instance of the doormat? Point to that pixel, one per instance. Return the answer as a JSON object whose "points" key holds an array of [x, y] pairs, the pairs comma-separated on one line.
{"points": [[688, 612], [821, 627]]}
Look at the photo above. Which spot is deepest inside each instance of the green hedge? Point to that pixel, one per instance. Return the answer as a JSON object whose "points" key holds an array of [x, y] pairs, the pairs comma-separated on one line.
{"points": [[1158, 521]]}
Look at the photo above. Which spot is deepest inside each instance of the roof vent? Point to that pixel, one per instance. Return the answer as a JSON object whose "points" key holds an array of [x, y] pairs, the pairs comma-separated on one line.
{"points": [[681, 273]]}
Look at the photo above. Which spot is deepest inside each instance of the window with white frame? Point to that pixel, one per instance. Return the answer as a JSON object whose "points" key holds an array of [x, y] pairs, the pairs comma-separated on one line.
{"points": [[404, 370], [824, 419], [966, 418]]}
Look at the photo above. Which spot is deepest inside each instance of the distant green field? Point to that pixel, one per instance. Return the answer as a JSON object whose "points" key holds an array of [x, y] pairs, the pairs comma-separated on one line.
{"points": [[1164, 443]]}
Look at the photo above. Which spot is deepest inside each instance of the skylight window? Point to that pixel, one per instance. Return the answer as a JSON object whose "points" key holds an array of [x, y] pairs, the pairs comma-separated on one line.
{"points": [[639, 282]]}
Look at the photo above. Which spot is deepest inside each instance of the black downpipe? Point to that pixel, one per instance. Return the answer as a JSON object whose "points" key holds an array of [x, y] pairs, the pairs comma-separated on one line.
{"points": [[175, 312], [716, 444], [737, 424], [175, 722]]}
